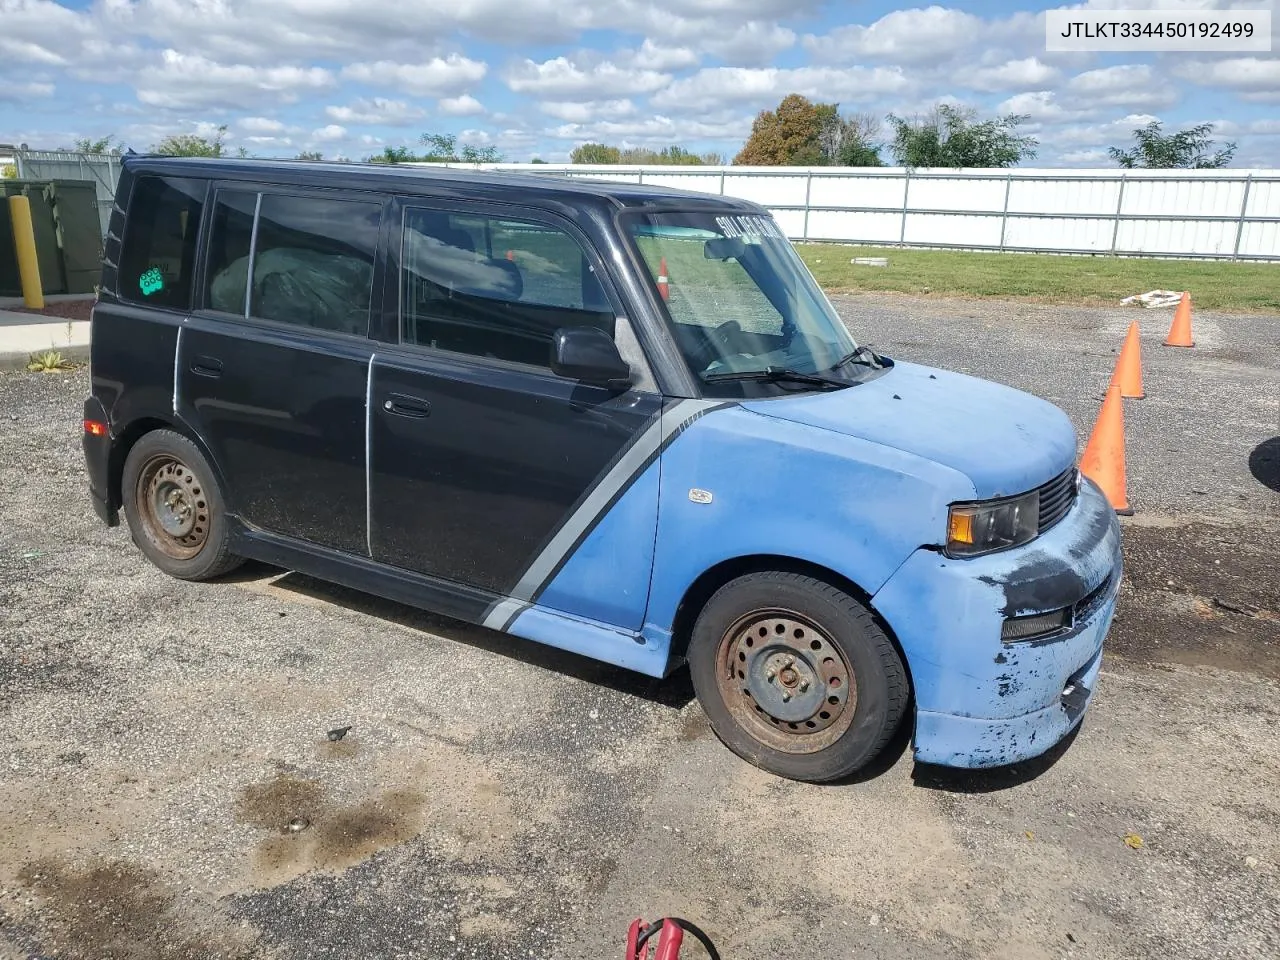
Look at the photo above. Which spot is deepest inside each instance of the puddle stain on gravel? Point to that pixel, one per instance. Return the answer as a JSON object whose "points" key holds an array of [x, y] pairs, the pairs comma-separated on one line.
{"points": [[1199, 595], [337, 837], [123, 911]]}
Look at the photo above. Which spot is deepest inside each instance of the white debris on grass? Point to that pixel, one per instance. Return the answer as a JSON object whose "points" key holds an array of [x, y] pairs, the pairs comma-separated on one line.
{"points": [[1155, 298]]}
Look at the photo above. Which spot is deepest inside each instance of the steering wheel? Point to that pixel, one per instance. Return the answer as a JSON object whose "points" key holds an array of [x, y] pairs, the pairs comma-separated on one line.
{"points": [[716, 344]]}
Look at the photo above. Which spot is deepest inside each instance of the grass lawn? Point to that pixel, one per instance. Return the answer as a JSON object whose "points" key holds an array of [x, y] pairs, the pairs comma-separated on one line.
{"points": [[1225, 286]]}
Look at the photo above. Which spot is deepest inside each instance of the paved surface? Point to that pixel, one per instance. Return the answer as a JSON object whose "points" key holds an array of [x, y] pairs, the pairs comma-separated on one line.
{"points": [[495, 799], [22, 334]]}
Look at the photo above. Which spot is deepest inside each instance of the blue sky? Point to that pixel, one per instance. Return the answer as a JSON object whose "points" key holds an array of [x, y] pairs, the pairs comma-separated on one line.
{"points": [[537, 77]]}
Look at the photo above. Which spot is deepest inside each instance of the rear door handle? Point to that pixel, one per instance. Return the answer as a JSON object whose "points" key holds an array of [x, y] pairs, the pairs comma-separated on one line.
{"points": [[403, 405], [206, 367]]}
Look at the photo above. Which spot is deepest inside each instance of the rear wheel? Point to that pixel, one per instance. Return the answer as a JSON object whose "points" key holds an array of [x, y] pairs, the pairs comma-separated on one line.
{"points": [[174, 508], [796, 676]]}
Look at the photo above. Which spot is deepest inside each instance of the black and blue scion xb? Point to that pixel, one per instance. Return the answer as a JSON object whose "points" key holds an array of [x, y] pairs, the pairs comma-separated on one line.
{"points": [[617, 419]]}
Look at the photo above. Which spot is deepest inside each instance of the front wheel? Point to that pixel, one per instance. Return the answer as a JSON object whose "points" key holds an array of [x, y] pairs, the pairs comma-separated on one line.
{"points": [[796, 676]]}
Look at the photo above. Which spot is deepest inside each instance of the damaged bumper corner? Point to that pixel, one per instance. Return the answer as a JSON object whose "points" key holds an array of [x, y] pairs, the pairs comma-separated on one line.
{"points": [[982, 701]]}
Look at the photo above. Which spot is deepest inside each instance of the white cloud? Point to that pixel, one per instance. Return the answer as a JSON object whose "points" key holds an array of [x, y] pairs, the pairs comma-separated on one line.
{"points": [[260, 125], [589, 111], [653, 131], [439, 76], [27, 51], [463, 106], [1253, 78], [1087, 157], [653, 56], [1130, 85], [904, 36], [561, 77], [1040, 105], [1011, 75], [189, 80], [718, 86], [392, 113], [753, 44], [17, 92], [329, 134]]}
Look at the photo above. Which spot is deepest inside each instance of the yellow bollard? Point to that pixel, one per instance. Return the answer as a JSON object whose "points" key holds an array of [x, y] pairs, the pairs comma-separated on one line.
{"points": [[24, 241]]}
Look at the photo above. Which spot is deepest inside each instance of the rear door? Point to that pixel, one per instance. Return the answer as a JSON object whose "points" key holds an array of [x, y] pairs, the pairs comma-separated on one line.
{"points": [[486, 468], [272, 373]]}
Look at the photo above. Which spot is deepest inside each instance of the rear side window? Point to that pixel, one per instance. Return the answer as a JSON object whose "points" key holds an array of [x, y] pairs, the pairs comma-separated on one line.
{"points": [[492, 287], [158, 256], [229, 243], [311, 259]]}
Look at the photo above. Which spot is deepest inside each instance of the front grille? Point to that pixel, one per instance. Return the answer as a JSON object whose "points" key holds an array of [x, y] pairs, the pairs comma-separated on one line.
{"points": [[1056, 498]]}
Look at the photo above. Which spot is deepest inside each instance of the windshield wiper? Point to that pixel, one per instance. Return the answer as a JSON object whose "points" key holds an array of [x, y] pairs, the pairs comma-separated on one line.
{"points": [[864, 354], [780, 374]]}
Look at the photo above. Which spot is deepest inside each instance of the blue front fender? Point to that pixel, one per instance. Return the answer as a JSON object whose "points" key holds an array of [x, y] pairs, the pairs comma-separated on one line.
{"points": [[780, 488]]}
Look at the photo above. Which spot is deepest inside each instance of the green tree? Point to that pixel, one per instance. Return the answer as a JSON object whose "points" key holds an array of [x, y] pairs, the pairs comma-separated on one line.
{"points": [[852, 141], [441, 148], [309, 155], [595, 153], [537, 160], [394, 155], [953, 137], [190, 145], [8, 172], [1186, 149], [105, 144]]}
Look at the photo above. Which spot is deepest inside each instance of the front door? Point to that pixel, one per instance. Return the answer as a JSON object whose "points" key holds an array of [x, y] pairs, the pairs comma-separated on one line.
{"points": [[485, 466], [273, 373]]}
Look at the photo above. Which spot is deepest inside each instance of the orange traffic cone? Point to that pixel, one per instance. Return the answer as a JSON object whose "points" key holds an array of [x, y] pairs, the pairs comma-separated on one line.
{"points": [[664, 286], [1180, 331], [1103, 458], [1128, 372]]}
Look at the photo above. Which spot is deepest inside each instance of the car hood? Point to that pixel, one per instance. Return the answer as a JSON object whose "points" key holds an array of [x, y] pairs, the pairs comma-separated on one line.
{"points": [[1004, 440]]}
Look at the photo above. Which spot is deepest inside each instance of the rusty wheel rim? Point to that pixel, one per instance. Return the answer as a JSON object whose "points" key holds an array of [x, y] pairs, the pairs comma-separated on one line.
{"points": [[785, 682], [173, 506]]}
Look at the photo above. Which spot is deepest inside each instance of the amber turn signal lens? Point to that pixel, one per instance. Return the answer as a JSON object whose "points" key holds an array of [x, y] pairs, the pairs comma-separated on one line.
{"points": [[95, 428], [961, 527]]}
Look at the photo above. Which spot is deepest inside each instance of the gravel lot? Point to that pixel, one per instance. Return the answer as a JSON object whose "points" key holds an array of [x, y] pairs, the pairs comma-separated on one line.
{"points": [[496, 799]]}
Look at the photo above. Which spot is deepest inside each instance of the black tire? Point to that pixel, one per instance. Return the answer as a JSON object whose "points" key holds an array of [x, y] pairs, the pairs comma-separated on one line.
{"points": [[765, 644], [174, 508]]}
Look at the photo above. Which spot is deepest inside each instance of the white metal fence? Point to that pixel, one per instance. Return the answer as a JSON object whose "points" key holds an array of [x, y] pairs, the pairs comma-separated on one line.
{"points": [[102, 168], [1232, 214], [1228, 214]]}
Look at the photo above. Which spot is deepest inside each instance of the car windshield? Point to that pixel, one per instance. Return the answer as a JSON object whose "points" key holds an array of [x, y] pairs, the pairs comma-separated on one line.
{"points": [[740, 299]]}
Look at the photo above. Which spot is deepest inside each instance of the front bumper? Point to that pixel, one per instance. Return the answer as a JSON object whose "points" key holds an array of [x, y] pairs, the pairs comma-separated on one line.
{"points": [[982, 702]]}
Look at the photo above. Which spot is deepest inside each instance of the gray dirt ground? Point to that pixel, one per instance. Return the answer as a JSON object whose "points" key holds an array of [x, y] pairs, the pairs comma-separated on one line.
{"points": [[501, 800]]}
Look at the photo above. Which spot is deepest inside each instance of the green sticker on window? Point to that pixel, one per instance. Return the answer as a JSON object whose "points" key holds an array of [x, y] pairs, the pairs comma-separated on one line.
{"points": [[152, 281]]}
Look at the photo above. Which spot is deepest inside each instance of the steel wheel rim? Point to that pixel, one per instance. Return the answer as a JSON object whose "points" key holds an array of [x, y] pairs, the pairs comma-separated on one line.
{"points": [[173, 506], [785, 682]]}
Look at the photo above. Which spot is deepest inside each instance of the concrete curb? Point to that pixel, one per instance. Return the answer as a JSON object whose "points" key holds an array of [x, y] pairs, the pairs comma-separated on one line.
{"points": [[19, 361]]}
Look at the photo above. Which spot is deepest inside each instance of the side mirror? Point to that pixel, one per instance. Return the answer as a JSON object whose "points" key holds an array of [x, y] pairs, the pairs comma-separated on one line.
{"points": [[589, 355]]}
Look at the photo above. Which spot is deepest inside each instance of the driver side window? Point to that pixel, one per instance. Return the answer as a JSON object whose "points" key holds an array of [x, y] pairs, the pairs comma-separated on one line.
{"points": [[495, 287]]}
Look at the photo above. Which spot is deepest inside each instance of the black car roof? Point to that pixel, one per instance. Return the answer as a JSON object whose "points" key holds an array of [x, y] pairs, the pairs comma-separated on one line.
{"points": [[482, 184]]}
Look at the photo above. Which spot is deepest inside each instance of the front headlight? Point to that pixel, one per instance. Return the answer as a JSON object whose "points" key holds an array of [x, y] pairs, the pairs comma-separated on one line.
{"points": [[974, 528]]}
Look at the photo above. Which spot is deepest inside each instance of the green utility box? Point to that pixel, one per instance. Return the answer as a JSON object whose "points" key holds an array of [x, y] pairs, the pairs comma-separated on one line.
{"points": [[64, 215]]}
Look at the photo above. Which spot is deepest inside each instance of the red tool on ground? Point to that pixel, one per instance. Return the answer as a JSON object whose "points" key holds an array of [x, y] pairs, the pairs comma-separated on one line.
{"points": [[670, 931]]}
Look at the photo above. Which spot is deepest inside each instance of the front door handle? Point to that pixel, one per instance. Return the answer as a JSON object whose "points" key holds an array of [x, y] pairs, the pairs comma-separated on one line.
{"points": [[206, 367], [403, 405]]}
